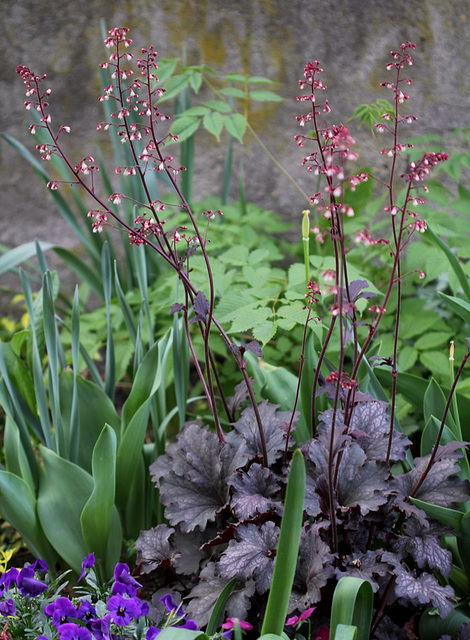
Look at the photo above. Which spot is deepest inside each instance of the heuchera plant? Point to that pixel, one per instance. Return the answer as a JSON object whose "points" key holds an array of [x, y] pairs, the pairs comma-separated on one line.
{"points": [[223, 490]]}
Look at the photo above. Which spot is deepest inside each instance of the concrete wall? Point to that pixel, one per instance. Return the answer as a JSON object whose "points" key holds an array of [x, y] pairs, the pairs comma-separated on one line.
{"points": [[351, 38]]}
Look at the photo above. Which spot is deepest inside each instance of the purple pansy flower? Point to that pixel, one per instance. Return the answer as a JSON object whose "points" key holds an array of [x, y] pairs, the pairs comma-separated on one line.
{"points": [[152, 633], [122, 610], [27, 583], [87, 563], [40, 566], [7, 608], [169, 603], [86, 611], [9, 577], [71, 631], [100, 627], [122, 576], [61, 611]]}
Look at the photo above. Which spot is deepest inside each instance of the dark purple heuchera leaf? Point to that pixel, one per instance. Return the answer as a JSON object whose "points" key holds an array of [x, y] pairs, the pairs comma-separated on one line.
{"points": [[423, 544], [361, 482], [251, 555], [241, 395], [176, 307], [255, 347], [441, 486], [188, 559], [370, 426], [254, 492], [424, 590], [192, 476], [273, 421], [201, 308], [388, 630], [318, 450], [367, 566], [312, 503], [356, 290], [153, 547], [204, 595], [314, 569]]}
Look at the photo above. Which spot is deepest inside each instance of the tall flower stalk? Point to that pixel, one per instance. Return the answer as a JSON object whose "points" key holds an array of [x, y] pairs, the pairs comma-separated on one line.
{"points": [[136, 120], [332, 151]]}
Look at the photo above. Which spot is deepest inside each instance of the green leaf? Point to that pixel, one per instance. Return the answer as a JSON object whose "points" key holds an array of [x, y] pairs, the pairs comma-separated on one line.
{"points": [[436, 361], [459, 306], [407, 357], [195, 80], [218, 105], [184, 127], [198, 110], [213, 123], [18, 507], [95, 409], [263, 95], [444, 515], [63, 492], [434, 404], [259, 80], [463, 541], [173, 633], [129, 452], [97, 513], [352, 605], [13, 257], [18, 454], [233, 92], [236, 77], [147, 379], [174, 85], [429, 435], [264, 331], [287, 549], [345, 632], [432, 627], [432, 340], [236, 125], [219, 607], [246, 319]]}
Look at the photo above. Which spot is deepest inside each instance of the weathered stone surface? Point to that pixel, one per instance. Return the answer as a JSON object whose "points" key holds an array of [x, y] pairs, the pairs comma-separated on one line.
{"points": [[262, 37]]}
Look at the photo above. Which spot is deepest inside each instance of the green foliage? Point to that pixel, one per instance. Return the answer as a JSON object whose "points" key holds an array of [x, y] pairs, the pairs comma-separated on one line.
{"points": [[370, 114], [74, 494]]}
